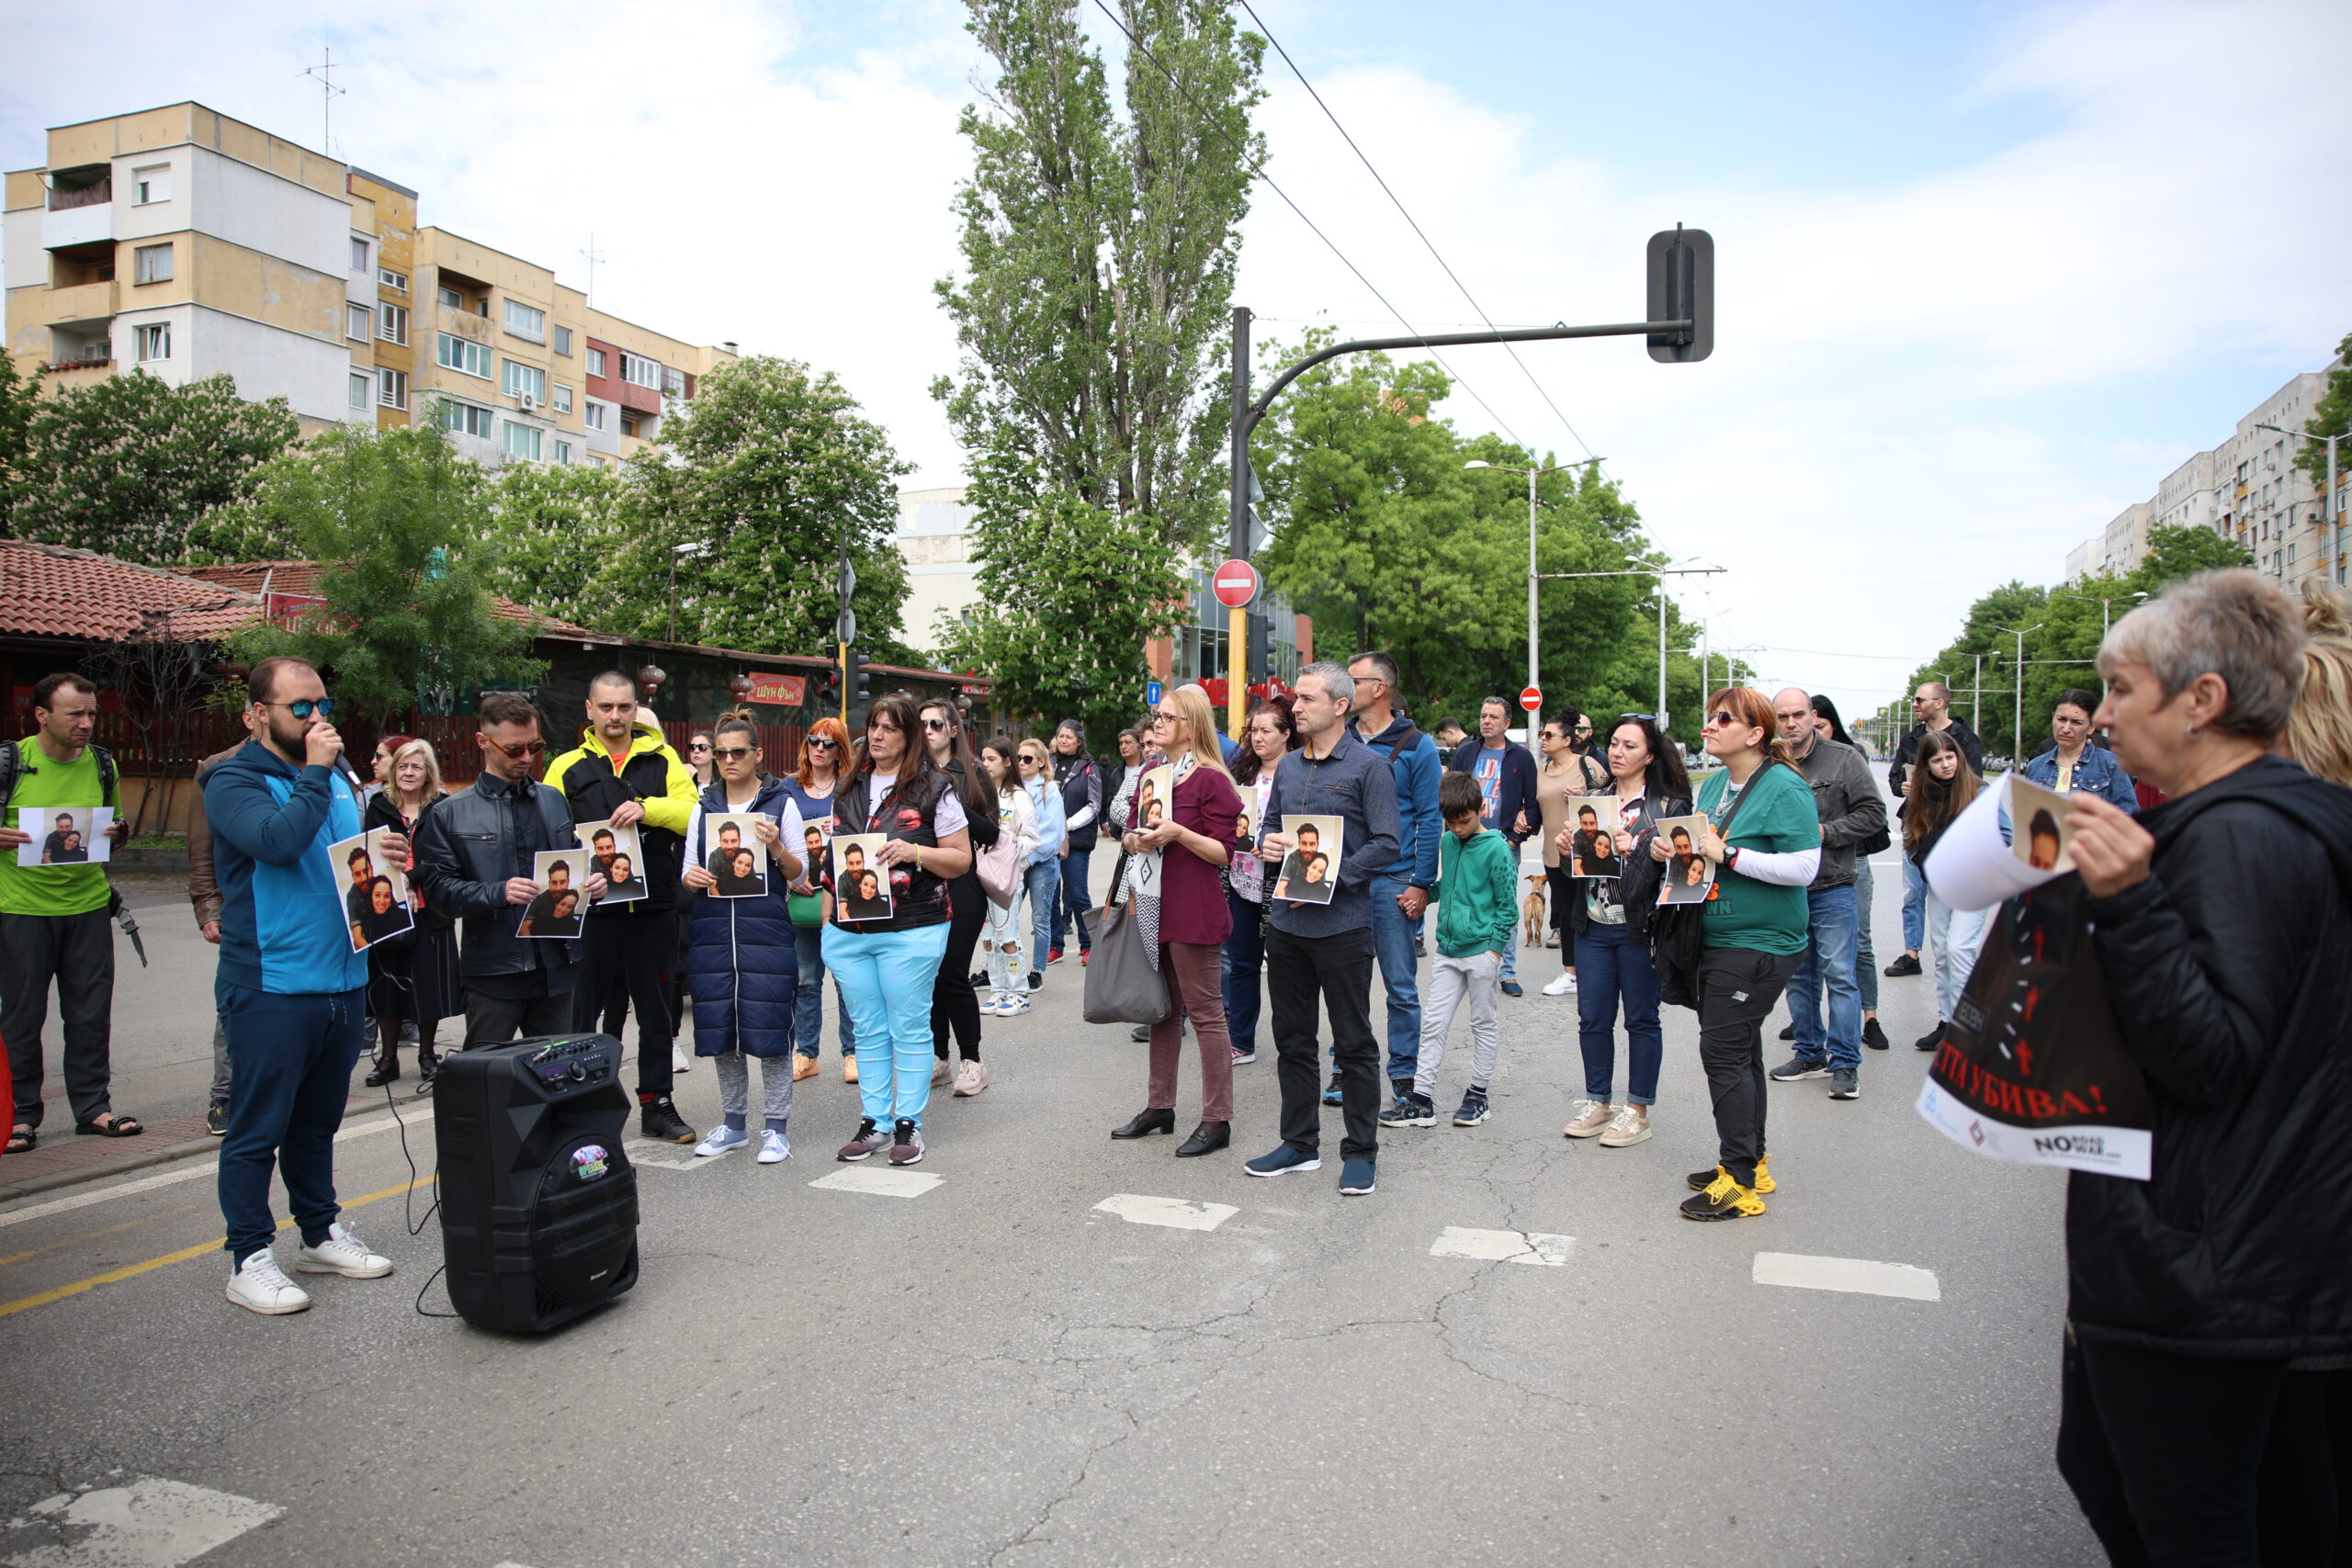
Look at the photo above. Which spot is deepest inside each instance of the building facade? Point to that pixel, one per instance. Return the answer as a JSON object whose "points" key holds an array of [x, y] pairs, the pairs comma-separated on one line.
{"points": [[182, 242]]}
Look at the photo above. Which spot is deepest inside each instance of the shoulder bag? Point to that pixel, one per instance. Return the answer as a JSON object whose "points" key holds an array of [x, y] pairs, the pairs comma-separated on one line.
{"points": [[1122, 986]]}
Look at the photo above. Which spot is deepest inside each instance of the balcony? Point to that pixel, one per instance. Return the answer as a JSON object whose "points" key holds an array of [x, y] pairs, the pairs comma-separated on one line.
{"points": [[82, 303], [76, 226], [90, 186]]}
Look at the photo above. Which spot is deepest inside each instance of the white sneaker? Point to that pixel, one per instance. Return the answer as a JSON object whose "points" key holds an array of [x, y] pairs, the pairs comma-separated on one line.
{"points": [[1565, 985], [258, 1285], [775, 1148], [721, 1139], [988, 1004], [1592, 1115], [971, 1078], [939, 1072], [342, 1253], [1014, 1007], [1631, 1125], [679, 1061]]}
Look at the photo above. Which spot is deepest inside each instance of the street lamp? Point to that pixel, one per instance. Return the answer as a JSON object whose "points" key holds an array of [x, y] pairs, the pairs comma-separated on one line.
{"points": [[2016, 695], [1533, 475], [697, 549], [2326, 501], [2104, 613]]}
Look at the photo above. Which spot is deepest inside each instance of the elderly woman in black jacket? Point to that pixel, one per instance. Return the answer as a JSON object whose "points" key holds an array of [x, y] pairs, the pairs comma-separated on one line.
{"points": [[2210, 1307]]}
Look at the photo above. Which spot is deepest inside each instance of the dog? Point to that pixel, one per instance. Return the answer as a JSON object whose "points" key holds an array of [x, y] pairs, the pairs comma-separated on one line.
{"points": [[1531, 911]]}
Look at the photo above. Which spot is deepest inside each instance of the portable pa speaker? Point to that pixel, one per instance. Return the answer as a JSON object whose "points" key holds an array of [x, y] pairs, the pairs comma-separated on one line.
{"points": [[539, 1203]]}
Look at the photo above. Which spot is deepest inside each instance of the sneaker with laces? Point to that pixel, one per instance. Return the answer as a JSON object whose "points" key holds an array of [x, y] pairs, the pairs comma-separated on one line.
{"points": [[939, 1071], [1723, 1200], [1244, 1055], [1332, 1094], [1015, 1006], [1631, 1125], [340, 1253], [1036, 982], [867, 1140], [971, 1078], [1907, 964], [1473, 1109], [216, 1118], [906, 1143], [1797, 1067], [1701, 1180], [1874, 1036], [721, 1139], [1933, 1038], [1053, 955], [1284, 1160], [775, 1147], [1566, 985], [1410, 1110], [259, 1285], [1846, 1083], [1592, 1116], [657, 1119], [679, 1061]]}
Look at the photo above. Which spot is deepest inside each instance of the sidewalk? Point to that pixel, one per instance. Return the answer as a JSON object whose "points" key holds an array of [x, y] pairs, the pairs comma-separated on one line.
{"points": [[66, 1159]]}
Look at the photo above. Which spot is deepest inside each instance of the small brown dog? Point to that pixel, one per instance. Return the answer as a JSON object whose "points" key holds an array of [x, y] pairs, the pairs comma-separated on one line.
{"points": [[1531, 911]]}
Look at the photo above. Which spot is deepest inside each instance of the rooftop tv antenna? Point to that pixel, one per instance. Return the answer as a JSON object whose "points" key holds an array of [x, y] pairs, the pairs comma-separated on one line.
{"points": [[323, 74], [592, 256]]}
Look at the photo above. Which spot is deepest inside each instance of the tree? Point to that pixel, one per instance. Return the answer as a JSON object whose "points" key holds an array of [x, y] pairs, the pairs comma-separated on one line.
{"points": [[2179, 550], [2331, 415], [134, 467], [768, 467], [555, 527], [396, 521], [19, 395]]}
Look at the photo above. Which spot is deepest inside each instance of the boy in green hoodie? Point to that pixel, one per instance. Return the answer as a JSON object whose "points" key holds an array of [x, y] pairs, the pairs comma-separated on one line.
{"points": [[1477, 919]]}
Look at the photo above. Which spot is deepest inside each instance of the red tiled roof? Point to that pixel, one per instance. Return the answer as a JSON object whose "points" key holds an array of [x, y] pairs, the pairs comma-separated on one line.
{"points": [[301, 577], [49, 591]]}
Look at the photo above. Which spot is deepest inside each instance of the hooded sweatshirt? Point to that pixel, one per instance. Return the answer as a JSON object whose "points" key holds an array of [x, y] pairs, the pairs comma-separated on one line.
{"points": [[1476, 894], [282, 924]]}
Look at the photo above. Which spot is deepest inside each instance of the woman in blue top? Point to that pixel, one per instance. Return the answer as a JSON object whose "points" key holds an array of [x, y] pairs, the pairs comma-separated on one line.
{"points": [[2074, 764], [1766, 846]]}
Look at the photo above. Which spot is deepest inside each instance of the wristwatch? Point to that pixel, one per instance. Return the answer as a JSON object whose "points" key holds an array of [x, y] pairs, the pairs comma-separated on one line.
{"points": [[1731, 858]]}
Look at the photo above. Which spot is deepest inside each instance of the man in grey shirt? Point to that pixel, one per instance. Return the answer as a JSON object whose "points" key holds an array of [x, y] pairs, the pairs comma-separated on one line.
{"points": [[1325, 951], [1851, 810]]}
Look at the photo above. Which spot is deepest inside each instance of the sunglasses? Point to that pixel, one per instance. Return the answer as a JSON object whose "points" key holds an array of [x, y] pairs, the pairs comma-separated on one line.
{"points": [[305, 707], [728, 753], [699, 746], [936, 725], [1721, 719], [822, 742], [1033, 761], [516, 753]]}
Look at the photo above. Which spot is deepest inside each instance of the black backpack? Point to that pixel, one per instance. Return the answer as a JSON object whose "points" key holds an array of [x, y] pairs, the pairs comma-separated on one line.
{"points": [[13, 767]]}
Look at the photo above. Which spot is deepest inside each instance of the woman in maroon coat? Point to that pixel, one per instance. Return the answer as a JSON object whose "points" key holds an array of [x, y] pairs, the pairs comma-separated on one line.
{"points": [[1186, 923]]}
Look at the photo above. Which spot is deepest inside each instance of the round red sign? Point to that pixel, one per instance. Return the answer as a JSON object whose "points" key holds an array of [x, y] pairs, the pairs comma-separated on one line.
{"points": [[1235, 584], [1531, 699]]}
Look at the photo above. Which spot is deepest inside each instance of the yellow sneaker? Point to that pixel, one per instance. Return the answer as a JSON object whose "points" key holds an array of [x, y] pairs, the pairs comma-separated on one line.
{"points": [[1764, 1182], [1700, 1180], [1723, 1200]]}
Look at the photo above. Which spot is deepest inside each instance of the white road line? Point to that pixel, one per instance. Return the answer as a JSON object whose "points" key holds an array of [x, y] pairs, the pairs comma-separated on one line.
{"points": [[669, 1156], [1176, 1213], [880, 1183], [147, 1523], [1536, 1248], [1806, 1272], [170, 1178]]}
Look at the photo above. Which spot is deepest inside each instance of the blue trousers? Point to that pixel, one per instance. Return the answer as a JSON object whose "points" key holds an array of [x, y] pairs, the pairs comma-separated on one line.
{"points": [[1071, 910], [885, 979], [1392, 944], [808, 1002], [1832, 945], [1244, 958], [1614, 971], [1915, 905], [290, 1057], [1044, 882]]}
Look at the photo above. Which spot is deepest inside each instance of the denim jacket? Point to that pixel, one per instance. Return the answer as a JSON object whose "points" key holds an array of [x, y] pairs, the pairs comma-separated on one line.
{"points": [[2096, 773]]}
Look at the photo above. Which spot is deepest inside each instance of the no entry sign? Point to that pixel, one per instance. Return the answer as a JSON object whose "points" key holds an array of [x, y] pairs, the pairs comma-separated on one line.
{"points": [[1531, 699], [1235, 584]]}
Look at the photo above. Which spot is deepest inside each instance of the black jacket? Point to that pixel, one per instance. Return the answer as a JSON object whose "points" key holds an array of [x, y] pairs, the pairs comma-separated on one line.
{"points": [[1082, 785], [2228, 977], [467, 848]]}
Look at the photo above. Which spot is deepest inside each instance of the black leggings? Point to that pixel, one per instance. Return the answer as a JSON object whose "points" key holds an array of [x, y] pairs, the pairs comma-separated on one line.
{"points": [[392, 998], [954, 1003]]}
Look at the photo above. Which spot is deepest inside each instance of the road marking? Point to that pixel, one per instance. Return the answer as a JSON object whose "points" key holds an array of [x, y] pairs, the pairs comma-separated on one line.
{"points": [[668, 1156], [219, 1249], [1176, 1213], [880, 1183], [1538, 1249], [149, 1523], [149, 1183], [1806, 1272]]}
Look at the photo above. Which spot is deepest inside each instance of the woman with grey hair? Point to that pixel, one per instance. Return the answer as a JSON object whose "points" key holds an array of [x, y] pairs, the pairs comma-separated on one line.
{"points": [[2207, 1306]]}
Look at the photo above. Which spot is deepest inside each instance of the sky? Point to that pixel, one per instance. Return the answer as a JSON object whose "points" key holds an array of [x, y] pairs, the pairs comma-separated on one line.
{"points": [[1986, 273]]}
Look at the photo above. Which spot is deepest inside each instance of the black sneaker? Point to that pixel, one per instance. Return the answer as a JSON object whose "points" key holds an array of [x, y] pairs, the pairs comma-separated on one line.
{"points": [[1797, 1067], [1473, 1110], [1332, 1095], [657, 1119], [1410, 1110], [906, 1143], [1872, 1035], [1929, 1040], [1908, 963], [1036, 982], [216, 1118], [1846, 1083], [1790, 1032]]}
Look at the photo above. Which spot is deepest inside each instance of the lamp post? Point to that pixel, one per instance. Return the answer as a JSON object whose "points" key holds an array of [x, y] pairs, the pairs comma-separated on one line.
{"points": [[2106, 615], [2017, 694], [1533, 475], [2326, 501], [697, 547]]}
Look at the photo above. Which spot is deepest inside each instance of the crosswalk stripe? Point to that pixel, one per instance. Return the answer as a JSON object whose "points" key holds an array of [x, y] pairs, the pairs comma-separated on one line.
{"points": [[147, 1522], [1806, 1272], [1176, 1213], [1539, 1250], [879, 1183]]}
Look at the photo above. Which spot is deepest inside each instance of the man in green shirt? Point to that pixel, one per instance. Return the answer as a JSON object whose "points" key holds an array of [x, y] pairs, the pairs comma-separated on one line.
{"points": [[54, 926]]}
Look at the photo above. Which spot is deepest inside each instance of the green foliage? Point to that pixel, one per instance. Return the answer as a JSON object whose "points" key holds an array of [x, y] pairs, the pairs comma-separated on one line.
{"points": [[19, 395], [395, 521], [556, 529], [2331, 415], [2180, 550], [134, 468]]}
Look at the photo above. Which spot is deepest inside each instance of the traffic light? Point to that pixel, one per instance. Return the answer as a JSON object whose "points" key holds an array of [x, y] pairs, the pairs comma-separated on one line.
{"points": [[1682, 288], [860, 685]]}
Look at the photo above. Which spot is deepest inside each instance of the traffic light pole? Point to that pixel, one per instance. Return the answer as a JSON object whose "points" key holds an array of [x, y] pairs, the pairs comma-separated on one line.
{"points": [[1236, 619]]}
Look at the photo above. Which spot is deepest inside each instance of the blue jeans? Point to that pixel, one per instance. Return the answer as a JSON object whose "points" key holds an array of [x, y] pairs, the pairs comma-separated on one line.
{"points": [[1612, 969], [1392, 944], [1244, 957], [808, 1003], [1865, 958], [290, 1057], [1070, 908], [1831, 943], [885, 979], [1915, 905], [1045, 882]]}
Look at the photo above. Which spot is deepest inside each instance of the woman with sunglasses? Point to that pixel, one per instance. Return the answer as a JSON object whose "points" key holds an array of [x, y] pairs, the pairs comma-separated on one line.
{"points": [[1564, 768], [810, 788], [1041, 871], [699, 759], [1765, 842], [887, 967], [955, 1005]]}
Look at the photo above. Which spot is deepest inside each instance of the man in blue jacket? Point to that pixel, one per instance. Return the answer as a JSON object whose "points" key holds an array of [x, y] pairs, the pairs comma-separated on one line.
{"points": [[1506, 773], [289, 982], [1401, 893]]}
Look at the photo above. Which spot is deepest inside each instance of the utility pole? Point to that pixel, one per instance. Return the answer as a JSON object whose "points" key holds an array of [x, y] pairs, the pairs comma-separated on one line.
{"points": [[1976, 698], [1236, 619], [2017, 699], [1661, 659]]}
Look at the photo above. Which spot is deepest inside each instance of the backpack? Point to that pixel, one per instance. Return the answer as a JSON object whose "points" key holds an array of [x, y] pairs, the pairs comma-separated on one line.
{"points": [[13, 767]]}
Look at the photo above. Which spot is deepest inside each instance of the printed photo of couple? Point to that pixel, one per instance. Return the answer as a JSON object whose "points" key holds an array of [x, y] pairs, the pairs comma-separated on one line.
{"points": [[861, 883], [1310, 873], [1592, 836], [555, 914], [736, 857], [1690, 875], [616, 854], [65, 835], [375, 903]]}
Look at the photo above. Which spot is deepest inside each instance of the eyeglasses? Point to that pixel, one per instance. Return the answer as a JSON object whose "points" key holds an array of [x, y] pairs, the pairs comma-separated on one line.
{"points": [[728, 753], [304, 707], [822, 742], [516, 753]]}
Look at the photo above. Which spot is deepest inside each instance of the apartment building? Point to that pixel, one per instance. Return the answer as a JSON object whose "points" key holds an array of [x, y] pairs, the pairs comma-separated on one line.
{"points": [[182, 242], [2248, 489]]}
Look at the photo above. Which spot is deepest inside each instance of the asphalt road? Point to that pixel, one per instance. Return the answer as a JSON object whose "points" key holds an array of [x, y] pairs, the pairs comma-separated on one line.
{"points": [[1002, 1370]]}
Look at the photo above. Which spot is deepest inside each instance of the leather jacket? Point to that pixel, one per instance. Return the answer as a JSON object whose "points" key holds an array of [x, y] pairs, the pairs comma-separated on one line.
{"points": [[470, 845]]}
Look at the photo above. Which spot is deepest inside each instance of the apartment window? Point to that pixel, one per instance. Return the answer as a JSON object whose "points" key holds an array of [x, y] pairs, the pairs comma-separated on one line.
{"points": [[526, 323], [392, 322], [562, 398], [596, 363], [154, 341], [362, 389], [358, 322], [454, 352], [358, 253], [464, 418], [452, 299], [595, 416], [563, 452], [151, 185], [390, 279], [563, 341], [391, 389], [522, 441], [154, 263], [639, 371], [674, 384], [629, 425], [524, 380]]}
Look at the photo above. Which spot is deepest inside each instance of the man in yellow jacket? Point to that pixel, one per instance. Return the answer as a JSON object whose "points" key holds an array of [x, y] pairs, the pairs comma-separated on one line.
{"points": [[624, 773]]}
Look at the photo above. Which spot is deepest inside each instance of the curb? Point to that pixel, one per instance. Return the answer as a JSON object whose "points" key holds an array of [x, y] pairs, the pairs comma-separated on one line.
{"points": [[170, 1154]]}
